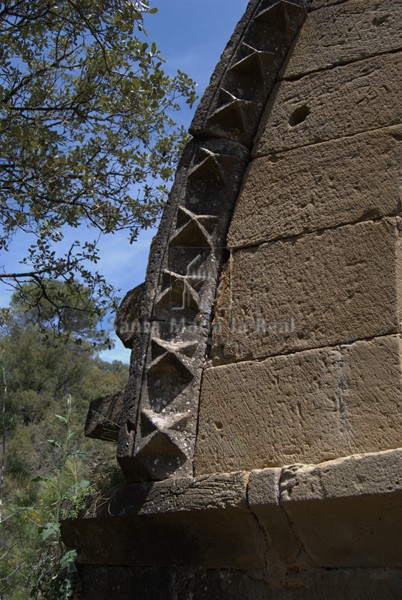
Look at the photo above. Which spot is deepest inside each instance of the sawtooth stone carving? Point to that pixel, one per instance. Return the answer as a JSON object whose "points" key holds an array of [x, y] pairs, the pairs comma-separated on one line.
{"points": [[167, 321], [297, 491]]}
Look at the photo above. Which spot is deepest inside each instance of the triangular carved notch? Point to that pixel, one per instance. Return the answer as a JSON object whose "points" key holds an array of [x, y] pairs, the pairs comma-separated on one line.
{"points": [[256, 63], [163, 422], [278, 15], [193, 234], [208, 168], [160, 347], [181, 295], [232, 112], [160, 455], [170, 363], [166, 379], [185, 216]]}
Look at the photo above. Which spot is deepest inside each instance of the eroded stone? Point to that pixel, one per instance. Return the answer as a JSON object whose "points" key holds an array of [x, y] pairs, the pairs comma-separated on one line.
{"points": [[374, 474], [316, 290], [324, 185], [331, 104], [340, 34], [306, 407], [128, 314], [324, 3], [356, 503], [105, 417]]}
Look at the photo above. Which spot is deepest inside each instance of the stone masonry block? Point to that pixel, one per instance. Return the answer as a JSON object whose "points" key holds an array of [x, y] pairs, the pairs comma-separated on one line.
{"points": [[331, 104], [183, 522], [306, 407], [319, 186], [181, 494], [348, 513], [282, 547], [106, 582], [322, 3], [104, 417], [372, 474], [226, 538], [344, 584], [340, 34], [332, 287]]}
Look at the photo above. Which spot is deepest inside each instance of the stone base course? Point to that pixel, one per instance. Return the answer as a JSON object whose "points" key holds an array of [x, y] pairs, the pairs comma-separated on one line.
{"points": [[298, 530], [104, 583]]}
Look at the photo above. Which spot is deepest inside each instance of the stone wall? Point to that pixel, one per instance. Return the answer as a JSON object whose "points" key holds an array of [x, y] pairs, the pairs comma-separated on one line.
{"points": [[288, 484], [306, 347], [331, 530]]}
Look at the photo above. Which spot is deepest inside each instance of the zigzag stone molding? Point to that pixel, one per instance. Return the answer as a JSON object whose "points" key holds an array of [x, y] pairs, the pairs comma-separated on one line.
{"points": [[167, 320]]}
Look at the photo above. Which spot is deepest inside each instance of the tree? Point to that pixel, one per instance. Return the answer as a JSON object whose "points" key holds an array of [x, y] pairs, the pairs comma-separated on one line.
{"points": [[43, 366], [86, 133], [47, 382], [57, 308]]}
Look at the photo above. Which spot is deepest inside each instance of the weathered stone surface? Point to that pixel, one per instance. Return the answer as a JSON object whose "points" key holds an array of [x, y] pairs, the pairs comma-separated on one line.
{"points": [[331, 104], [229, 584], [235, 99], [283, 550], [215, 538], [324, 185], [315, 4], [128, 314], [374, 474], [343, 584], [177, 522], [104, 417], [106, 583], [306, 407], [282, 541], [263, 488], [209, 97], [355, 503], [339, 34], [316, 290], [335, 514], [220, 491], [173, 318], [109, 583]]}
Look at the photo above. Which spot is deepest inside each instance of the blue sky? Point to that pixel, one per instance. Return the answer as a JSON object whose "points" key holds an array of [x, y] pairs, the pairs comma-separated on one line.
{"points": [[191, 35]]}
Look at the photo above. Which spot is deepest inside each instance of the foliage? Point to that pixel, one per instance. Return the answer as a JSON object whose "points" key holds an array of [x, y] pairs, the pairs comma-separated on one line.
{"points": [[86, 133], [57, 308], [48, 465], [36, 518], [44, 367]]}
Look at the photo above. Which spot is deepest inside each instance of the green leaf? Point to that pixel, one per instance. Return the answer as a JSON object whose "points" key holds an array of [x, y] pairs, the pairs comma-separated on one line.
{"points": [[68, 559], [62, 419], [50, 529], [39, 479], [54, 443], [83, 484], [83, 143]]}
